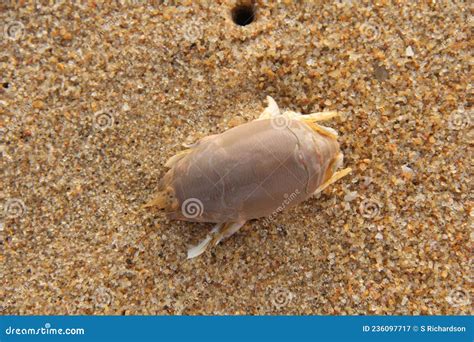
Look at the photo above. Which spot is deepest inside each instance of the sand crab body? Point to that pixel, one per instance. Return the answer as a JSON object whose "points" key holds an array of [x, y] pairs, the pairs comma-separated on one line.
{"points": [[249, 171]]}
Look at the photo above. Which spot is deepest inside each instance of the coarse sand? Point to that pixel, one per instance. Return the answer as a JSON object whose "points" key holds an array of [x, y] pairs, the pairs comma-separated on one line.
{"points": [[96, 96]]}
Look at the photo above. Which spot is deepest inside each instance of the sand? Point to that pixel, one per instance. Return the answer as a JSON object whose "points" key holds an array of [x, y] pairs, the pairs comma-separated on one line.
{"points": [[94, 98]]}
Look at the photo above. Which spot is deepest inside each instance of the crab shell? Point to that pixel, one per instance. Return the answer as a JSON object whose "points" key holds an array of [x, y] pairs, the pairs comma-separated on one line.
{"points": [[250, 171]]}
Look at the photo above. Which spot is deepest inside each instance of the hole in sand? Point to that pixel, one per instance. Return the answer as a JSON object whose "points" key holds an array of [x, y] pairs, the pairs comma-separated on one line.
{"points": [[243, 14]]}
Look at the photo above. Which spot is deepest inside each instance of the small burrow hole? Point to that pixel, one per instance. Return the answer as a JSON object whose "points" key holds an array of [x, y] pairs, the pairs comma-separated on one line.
{"points": [[243, 14]]}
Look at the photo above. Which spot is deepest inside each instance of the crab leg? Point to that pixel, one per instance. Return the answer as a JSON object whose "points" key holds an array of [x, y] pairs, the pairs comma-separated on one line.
{"points": [[334, 178], [202, 246], [271, 110], [327, 131], [218, 233], [320, 116]]}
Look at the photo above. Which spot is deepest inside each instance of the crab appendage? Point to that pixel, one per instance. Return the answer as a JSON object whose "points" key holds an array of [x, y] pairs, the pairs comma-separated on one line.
{"points": [[271, 110], [164, 199], [327, 131], [334, 178], [199, 248], [320, 116], [177, 157], [218, 233]]}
